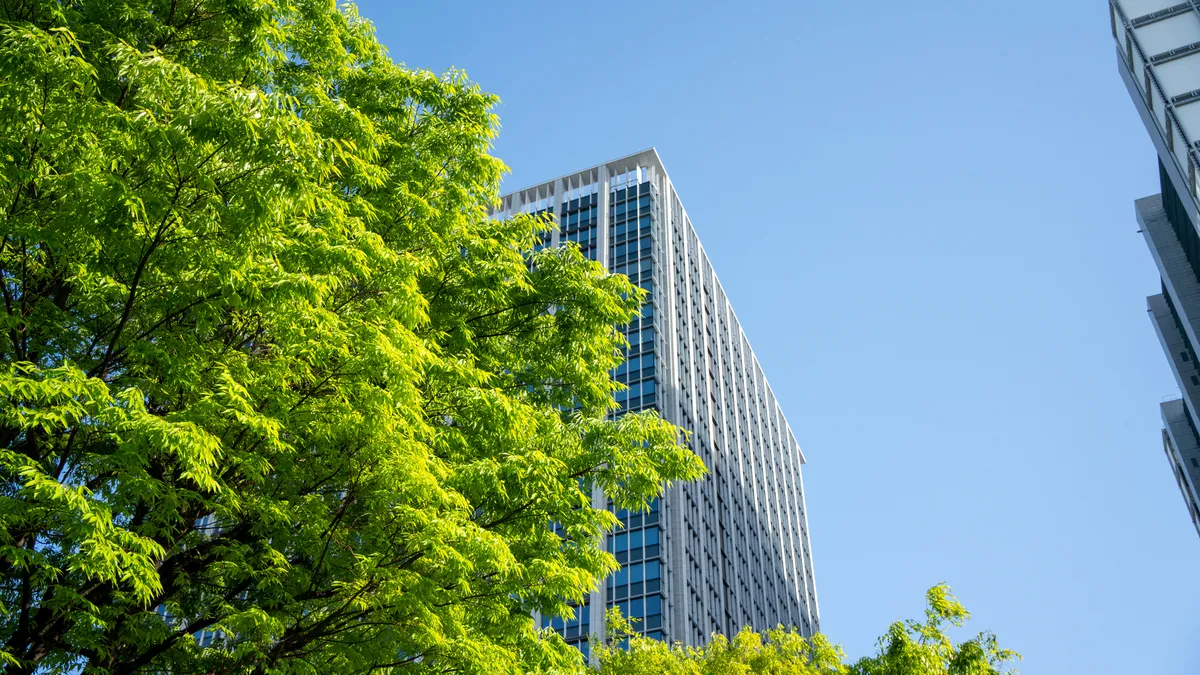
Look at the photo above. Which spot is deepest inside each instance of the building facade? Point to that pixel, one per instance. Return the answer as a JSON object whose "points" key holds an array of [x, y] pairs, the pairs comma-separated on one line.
{"points": [[1158, 54], [733, 549]]}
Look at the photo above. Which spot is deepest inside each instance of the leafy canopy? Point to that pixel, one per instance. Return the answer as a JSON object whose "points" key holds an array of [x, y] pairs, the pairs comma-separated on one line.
{"points": [[270, 375], [908, 648]]}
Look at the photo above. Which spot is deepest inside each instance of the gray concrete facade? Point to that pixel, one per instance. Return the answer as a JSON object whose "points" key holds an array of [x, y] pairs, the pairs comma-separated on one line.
{"points": [[1158, 57], [1183, 453]]}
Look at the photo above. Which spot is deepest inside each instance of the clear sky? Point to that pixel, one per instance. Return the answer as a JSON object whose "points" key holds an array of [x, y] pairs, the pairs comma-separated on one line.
{"points": [[923, 215]]}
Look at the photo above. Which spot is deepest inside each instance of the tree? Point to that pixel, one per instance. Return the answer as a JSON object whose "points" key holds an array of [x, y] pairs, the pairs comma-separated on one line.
{"points": [[908, 648], [922, 647], [277, 396]]}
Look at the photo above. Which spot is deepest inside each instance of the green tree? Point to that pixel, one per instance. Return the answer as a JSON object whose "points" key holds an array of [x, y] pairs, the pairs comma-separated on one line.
{"points": [[923, 647], [908, 648], [270, 371]]}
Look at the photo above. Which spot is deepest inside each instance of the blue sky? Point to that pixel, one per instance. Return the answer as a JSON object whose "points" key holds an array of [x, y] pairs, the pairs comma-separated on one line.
{"points": [[923, 215]]}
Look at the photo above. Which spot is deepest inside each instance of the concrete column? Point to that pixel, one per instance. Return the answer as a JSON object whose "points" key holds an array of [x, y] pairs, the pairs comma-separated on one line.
{"points": [[556, 200], [674, 505], [599, 500], [602, 220]]}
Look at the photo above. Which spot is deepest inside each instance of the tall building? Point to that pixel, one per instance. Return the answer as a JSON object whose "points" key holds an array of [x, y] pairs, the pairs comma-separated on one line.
{"points": [[1158, 52], [731, 550]]}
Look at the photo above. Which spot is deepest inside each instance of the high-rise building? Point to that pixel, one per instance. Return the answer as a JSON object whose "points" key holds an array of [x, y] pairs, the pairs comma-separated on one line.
{"points": [[731, 550], [1158, 54]]}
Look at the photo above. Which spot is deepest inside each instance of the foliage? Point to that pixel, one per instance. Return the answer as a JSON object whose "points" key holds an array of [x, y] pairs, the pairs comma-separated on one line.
{"points": [[777, 651], [908, 648], [271, 376], [921, 648]]}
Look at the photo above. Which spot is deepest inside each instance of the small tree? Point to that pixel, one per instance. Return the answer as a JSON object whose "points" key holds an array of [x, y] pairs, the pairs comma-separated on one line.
{"points": [[923, 648], [270, 374], [908, 648]]}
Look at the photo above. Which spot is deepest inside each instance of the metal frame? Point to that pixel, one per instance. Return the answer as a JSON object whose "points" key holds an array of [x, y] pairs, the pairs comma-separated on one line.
{"points": [[1168, 103], [1155, 17]]}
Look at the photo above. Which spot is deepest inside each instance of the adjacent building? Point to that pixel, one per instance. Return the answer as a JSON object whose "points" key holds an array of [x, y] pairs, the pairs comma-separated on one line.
{"points": [[1158, 54], [731, 550]]}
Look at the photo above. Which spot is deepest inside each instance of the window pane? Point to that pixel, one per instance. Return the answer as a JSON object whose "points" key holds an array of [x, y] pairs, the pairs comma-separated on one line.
{"points": [[653, 604], [652, 536]]}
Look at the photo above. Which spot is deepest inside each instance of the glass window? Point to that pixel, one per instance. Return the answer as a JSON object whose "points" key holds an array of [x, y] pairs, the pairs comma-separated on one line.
{"points": [[651, 533], [622, 542], [653, 604], [621, 576], [652, 568]]}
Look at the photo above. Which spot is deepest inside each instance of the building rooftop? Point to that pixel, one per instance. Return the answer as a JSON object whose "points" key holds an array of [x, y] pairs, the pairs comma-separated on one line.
{"points": [[1159, 42]]}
